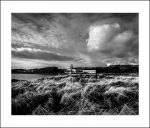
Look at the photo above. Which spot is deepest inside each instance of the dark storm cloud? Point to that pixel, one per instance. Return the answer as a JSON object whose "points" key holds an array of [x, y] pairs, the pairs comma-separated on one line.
{"points": [[28, 53]]}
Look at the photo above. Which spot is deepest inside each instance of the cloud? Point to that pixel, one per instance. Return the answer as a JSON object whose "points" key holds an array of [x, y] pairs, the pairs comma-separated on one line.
{"points": [[112, 40], [123, 37], [28, 53], [99, 36], [124, 44], [116, 61], [60, 31]]}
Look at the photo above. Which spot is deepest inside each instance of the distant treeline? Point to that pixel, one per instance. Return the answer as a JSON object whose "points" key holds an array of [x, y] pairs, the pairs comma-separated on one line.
{"points": [[47, 70], [118, 69], [55, 70], [114, 69]]}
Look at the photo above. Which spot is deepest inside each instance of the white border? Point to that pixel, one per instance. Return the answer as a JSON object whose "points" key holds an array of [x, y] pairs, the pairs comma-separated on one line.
{"points": [[141, 7]]}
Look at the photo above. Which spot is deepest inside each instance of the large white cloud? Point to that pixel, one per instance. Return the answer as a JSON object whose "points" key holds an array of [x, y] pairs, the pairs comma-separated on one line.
{"points": [[100, 35], [112, 40]]}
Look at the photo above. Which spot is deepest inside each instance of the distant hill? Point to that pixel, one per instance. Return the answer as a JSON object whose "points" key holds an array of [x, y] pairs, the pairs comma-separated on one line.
{"points": [[118, 69], [113, 69], [55, 70], [46, 70]]}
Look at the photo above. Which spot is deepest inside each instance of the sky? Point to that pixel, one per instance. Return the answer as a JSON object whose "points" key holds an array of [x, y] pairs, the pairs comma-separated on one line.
{"points": [[82, 39]]}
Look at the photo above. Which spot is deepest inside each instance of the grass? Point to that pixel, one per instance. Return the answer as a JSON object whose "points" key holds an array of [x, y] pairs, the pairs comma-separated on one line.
{"points": [[77, 95]]}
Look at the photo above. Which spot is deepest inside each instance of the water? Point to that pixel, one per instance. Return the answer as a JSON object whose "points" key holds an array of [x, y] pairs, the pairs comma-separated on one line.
{"points": [[28, 76], [90, 71]]}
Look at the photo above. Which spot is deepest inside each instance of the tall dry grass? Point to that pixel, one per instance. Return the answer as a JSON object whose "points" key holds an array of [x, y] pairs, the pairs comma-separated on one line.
{"points": [[76, 95]]}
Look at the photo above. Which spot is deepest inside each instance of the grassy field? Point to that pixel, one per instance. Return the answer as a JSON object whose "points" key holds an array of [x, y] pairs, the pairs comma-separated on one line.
{"points": [[77, 95]]}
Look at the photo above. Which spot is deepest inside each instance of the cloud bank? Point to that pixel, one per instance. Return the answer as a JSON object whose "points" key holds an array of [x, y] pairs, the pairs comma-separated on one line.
{"points": [[38, 54]]}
